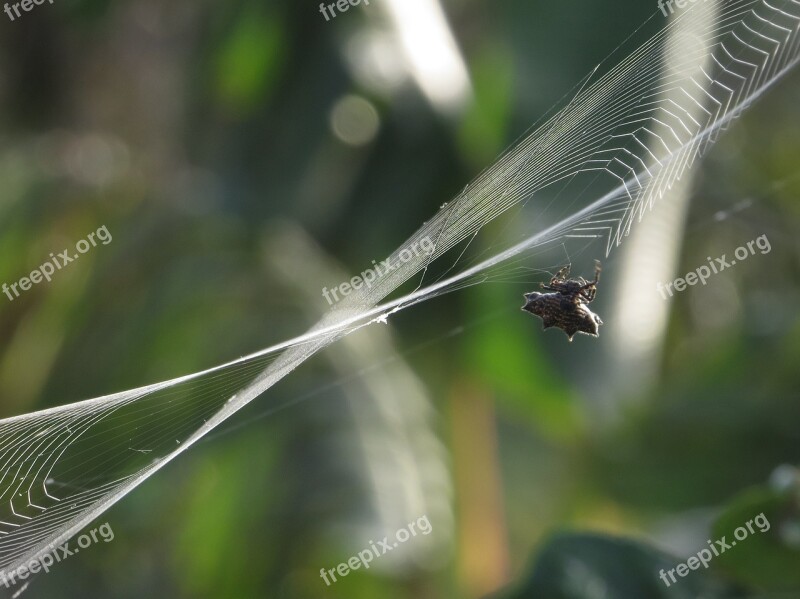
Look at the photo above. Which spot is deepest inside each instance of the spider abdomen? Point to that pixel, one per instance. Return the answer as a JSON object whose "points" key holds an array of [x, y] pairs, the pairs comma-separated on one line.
{"points": [[563, 312]]}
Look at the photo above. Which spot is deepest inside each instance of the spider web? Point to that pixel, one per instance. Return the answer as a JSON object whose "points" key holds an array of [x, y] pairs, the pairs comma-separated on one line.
{"points": [[587, 172]]}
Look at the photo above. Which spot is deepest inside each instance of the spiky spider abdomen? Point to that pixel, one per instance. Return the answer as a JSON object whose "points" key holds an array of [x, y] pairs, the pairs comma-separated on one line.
{"points": [[557, 311], [566, 306]]}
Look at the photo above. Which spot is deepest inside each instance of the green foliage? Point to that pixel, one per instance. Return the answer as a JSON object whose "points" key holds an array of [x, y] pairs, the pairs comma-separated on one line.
{"points": [[484, 129], [768, 560], [587, 566], [250, 59]]}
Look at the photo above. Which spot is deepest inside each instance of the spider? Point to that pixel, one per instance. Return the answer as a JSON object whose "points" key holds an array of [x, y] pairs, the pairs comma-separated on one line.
{"points": [[566, 306]]}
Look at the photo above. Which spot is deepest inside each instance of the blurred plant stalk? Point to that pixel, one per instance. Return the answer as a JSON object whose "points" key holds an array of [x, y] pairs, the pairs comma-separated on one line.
{"points": [[483, 560]]}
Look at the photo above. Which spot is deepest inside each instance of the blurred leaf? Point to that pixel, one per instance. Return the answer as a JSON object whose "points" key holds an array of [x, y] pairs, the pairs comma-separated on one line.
{"points": [[222, 485], [590, 566], [483, 131], [763, 558], [249, 60]]}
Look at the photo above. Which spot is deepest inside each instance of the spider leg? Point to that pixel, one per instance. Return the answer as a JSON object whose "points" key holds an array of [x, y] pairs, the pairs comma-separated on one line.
{"points": [[589, 294], [597, 269], [562, 274], [592, 285]]}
